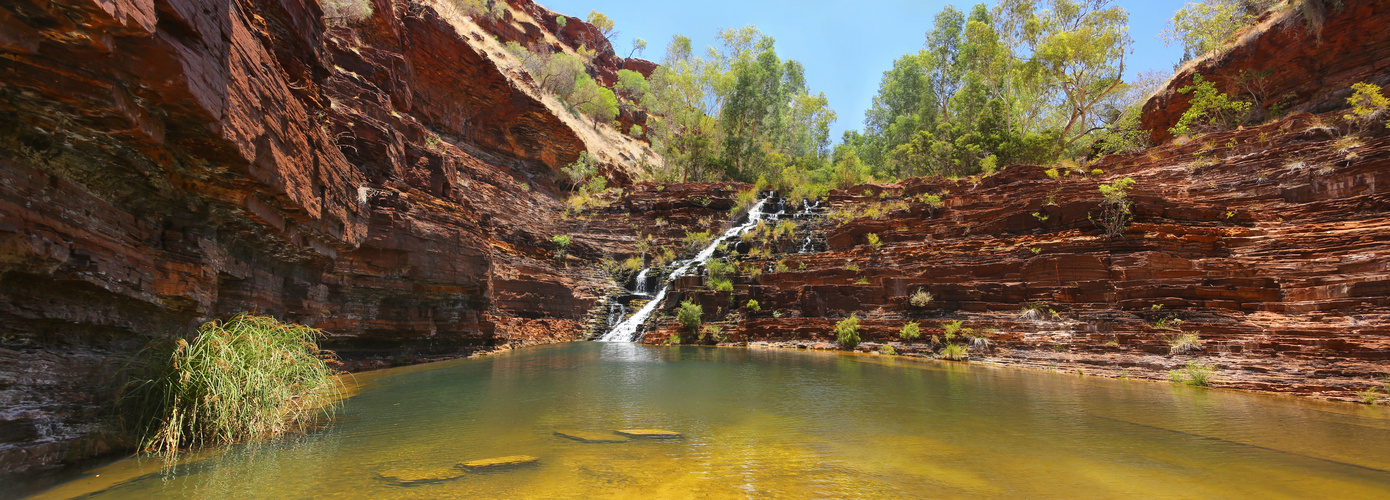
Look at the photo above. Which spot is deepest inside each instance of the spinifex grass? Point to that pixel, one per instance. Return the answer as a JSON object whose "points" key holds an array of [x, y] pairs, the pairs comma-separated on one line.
{"points": [[246, 378]]}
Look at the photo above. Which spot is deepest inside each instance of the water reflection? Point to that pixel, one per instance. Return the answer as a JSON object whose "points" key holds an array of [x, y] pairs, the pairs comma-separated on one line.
{"points": [[791, 424]]}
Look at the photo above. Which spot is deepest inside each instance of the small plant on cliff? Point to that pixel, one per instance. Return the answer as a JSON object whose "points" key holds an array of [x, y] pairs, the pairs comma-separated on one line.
{"points": [[1116, 211], [695, 241], [1370, 395], [245, 378], [874, 241], [1184, 342], [1194, 373], [887, 349], [910, 331], [344, 11], [1367, 105], [847, 331], [689, 316], [954, 352], [562, 243], [1209, 111], [753, 305], [932, 200], [920, 299]]}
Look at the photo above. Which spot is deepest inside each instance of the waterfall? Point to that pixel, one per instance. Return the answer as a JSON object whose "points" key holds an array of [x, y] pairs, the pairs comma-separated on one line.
{"points": [[641, 287], [629, 329]]}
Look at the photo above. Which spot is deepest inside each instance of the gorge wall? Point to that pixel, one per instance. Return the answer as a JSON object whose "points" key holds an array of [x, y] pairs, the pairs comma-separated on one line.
{"points": [[168, 162], [393, 182], [1268, 243]]}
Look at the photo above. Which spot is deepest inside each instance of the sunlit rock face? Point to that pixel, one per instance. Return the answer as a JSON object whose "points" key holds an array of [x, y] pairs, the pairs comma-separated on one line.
{"points": [[163, 163], [1284, 64]]}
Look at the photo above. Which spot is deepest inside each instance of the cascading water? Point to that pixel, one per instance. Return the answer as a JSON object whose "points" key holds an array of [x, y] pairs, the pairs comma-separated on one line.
{"points": [[641, 286], [630, 329]]}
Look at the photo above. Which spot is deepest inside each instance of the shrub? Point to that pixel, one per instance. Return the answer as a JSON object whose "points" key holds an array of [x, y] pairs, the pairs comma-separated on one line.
{"points": [[1210, 109], [690, 315], [753, 305], [847, 331], [887, 349], [1184, 342], [346, 10], [950, 329], [874, 241], [932, 200], [910, 331], [722, 285], [695, 241], [954, 352], [1116, 211], [245, 378], [1367, 104], [920, 299], [562, 243]]}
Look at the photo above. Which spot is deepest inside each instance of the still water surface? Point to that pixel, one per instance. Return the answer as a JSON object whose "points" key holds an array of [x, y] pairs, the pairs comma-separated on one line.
{"points": [[772, 423]]}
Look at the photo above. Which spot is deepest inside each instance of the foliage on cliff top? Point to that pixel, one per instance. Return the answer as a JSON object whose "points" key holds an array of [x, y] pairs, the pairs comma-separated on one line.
{"points": [[245, 378]]}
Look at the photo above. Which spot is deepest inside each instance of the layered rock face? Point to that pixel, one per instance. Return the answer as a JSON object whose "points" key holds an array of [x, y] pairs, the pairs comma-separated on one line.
{"points": [[1287, 63], [1269, 244], [167, 162], [1261, 252]]}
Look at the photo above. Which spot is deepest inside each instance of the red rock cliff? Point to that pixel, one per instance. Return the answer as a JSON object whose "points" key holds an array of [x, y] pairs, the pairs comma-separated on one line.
{"points": [[165, 162]]}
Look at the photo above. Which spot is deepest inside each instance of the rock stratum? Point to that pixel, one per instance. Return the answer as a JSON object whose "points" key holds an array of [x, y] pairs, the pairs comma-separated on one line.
{"points": [[167, 162]]}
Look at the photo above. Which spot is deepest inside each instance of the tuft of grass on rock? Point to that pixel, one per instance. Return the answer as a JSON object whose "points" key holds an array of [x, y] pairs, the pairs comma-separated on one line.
{"points": [[246, 378]]}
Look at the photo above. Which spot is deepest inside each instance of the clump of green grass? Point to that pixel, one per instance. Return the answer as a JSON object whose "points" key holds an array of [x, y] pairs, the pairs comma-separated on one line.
{"points": [[920, 299], [953, 352], [246, 378], [753, 305], [886, 349], [910, 331], [1184, 342], [1194, 373], [874, 240], [847, 331]]}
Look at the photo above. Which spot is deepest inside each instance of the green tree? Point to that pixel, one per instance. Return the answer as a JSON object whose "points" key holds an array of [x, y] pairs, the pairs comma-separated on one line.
{"points": [[741, 112], [594, 100], [601, 22], [1206, 25], [1078, 50], [631, 85], [638, 45]]}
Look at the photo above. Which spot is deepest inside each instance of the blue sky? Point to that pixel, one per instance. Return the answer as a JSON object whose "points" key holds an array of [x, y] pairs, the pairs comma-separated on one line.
{"points": [[845, 46]]}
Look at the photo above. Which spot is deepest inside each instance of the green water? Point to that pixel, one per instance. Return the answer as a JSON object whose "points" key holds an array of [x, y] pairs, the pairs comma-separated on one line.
{"points": [[771, 423]]}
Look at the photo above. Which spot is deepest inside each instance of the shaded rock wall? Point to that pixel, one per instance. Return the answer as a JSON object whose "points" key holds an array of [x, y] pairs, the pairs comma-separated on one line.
{"points": [[166, 162]]}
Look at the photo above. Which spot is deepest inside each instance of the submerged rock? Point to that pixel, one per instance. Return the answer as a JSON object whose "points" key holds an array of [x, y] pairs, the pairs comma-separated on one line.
{"points": [[593, 437], [421, 476], [508, 461], [650, 433]]}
